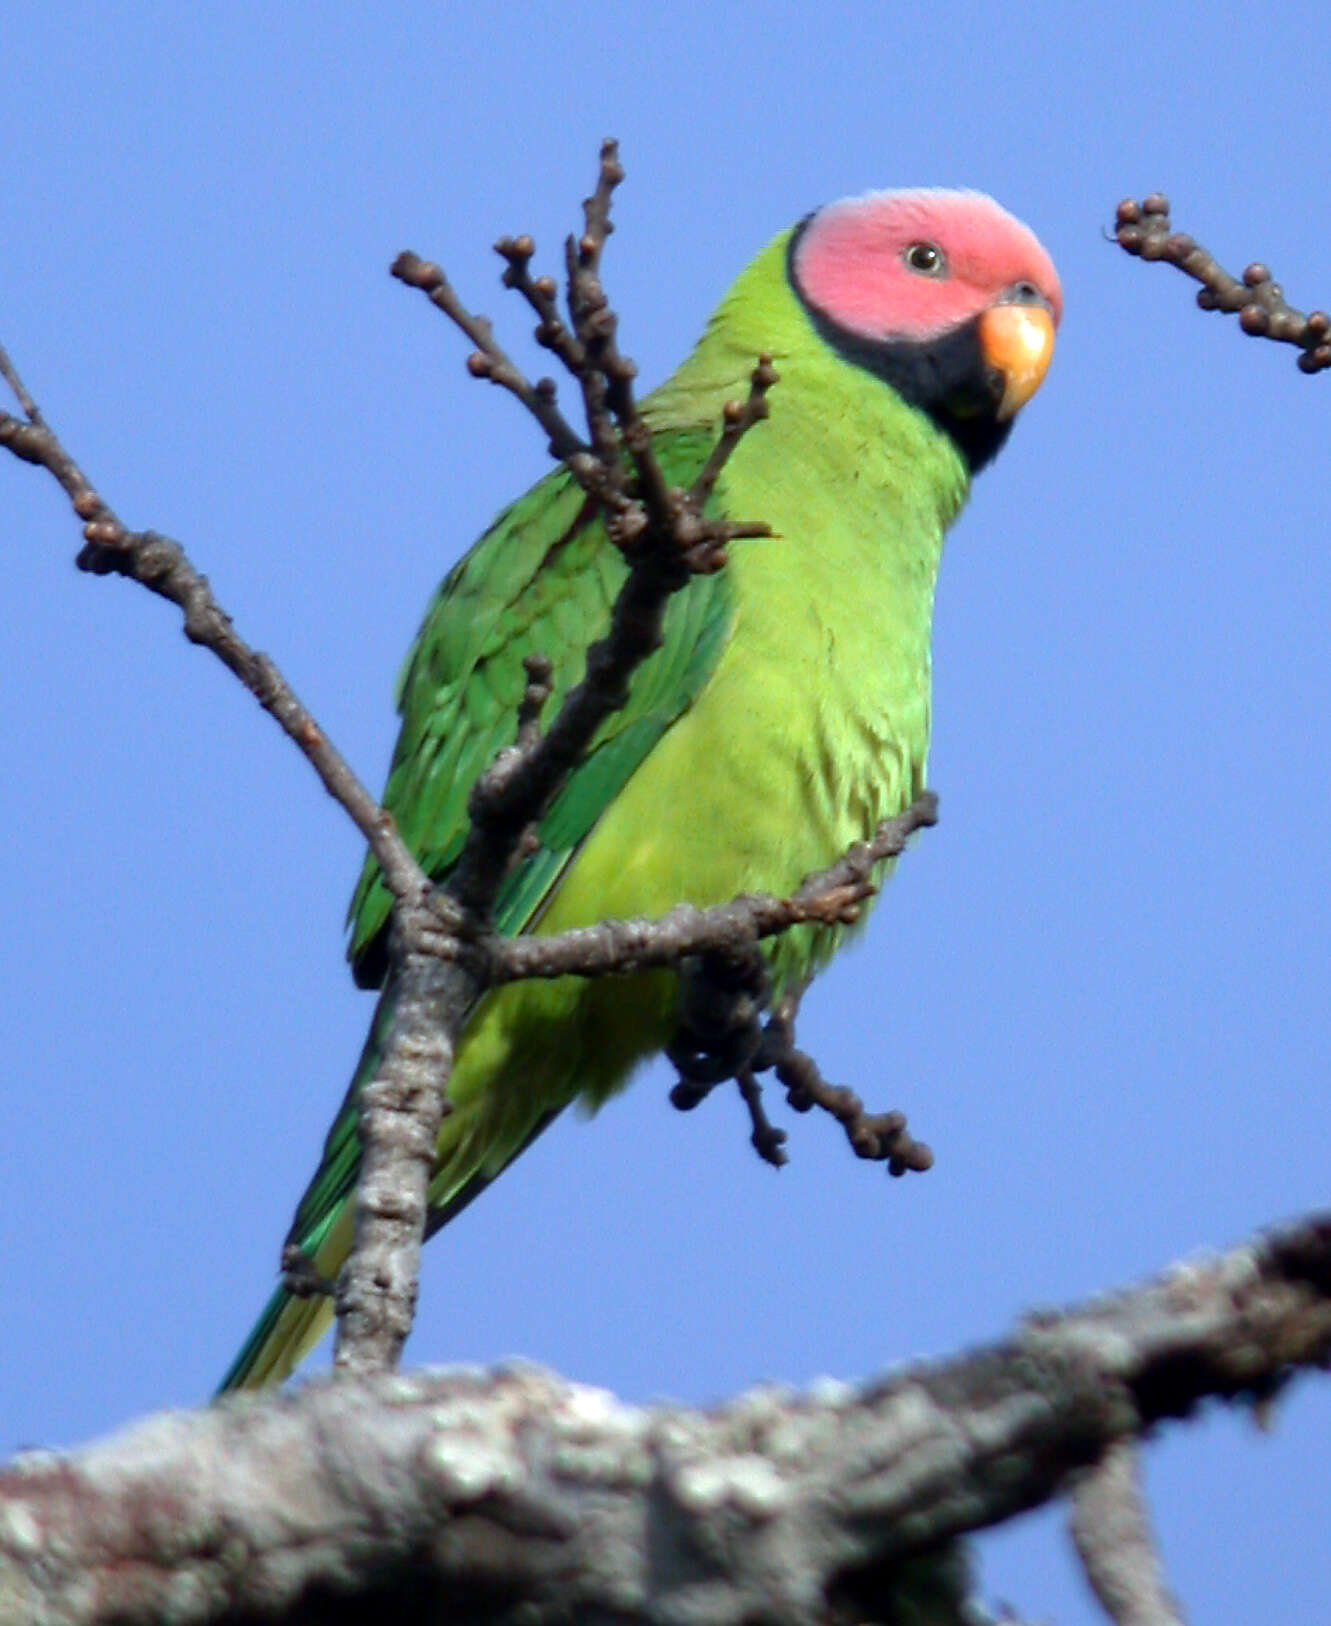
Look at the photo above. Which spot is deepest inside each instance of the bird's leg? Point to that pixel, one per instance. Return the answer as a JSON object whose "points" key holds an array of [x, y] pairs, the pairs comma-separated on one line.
{"points": [[722, 998], [722, 1034]]}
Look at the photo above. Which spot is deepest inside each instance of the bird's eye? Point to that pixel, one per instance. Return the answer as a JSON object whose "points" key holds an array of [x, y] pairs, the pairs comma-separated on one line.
{"points": [[926, 258]]}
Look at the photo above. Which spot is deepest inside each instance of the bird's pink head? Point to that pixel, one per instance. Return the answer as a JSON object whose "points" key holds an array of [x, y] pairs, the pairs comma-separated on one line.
{"points": [[943, 295], [914, 264]]}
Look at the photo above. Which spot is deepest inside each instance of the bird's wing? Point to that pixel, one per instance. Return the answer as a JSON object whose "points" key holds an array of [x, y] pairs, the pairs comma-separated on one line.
{"points": [[540, 581]]}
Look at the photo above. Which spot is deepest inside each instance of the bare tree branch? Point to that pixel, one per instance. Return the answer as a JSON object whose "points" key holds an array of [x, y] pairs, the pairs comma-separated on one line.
{"points": [[513, 1496], [878, 1136], [1111, 1531], [1144, 229], [725, 993], [830, 897], [161, 565], [403, 1104], [489, 359]]}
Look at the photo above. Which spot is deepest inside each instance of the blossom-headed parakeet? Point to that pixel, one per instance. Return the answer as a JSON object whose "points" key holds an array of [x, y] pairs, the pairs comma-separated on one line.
{"points": [[786, 712]]}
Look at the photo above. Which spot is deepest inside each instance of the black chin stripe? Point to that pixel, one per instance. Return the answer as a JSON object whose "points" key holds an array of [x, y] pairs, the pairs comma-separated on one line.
{"points": [[945, 377]]}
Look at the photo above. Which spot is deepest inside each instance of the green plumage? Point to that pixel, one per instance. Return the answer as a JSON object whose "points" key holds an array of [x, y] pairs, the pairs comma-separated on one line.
{"points": [[786, 713]]}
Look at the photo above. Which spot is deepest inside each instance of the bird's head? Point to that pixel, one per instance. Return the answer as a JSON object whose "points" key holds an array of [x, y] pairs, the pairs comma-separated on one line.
{"points": [[944, 295]]}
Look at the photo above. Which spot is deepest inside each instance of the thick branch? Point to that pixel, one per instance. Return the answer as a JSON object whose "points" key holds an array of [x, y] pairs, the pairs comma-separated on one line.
{"points": [[400, 1111], [1144, 229], [515, 1496]]}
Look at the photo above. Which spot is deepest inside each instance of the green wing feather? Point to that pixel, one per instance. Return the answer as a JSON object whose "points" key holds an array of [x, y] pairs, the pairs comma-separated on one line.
{"points": [[542, 580]]}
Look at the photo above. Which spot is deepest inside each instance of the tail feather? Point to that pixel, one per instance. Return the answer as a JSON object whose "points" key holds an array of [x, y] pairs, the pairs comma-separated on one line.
{"points": [[289, 1327], [527, 1051], [283, 1336]]}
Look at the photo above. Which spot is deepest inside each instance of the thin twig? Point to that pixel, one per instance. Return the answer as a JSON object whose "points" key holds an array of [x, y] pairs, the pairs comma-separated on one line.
{"points": [[402, 1105], [618, 947], [161, 565], [853, 871], [489, 359], [607, 381], [739, 417], [540, 677], [831, 897], [1144, 229], [541, 293], [880, 1137], [27, 405]]}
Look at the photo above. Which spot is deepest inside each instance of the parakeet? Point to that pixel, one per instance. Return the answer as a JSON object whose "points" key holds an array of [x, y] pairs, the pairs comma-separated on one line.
{"points": [[787, 711]]}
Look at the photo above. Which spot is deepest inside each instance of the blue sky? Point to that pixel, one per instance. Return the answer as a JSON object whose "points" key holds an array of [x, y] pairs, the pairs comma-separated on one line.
{"points": [[1099, 988]]}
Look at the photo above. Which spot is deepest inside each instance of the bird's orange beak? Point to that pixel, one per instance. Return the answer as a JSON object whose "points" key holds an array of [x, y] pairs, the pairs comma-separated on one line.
{"points": [[1017, 341]]}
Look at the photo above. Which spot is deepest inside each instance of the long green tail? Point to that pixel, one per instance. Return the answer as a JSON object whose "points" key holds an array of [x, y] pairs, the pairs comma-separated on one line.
{"points": [[282, 1336], [478, 1140]]}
